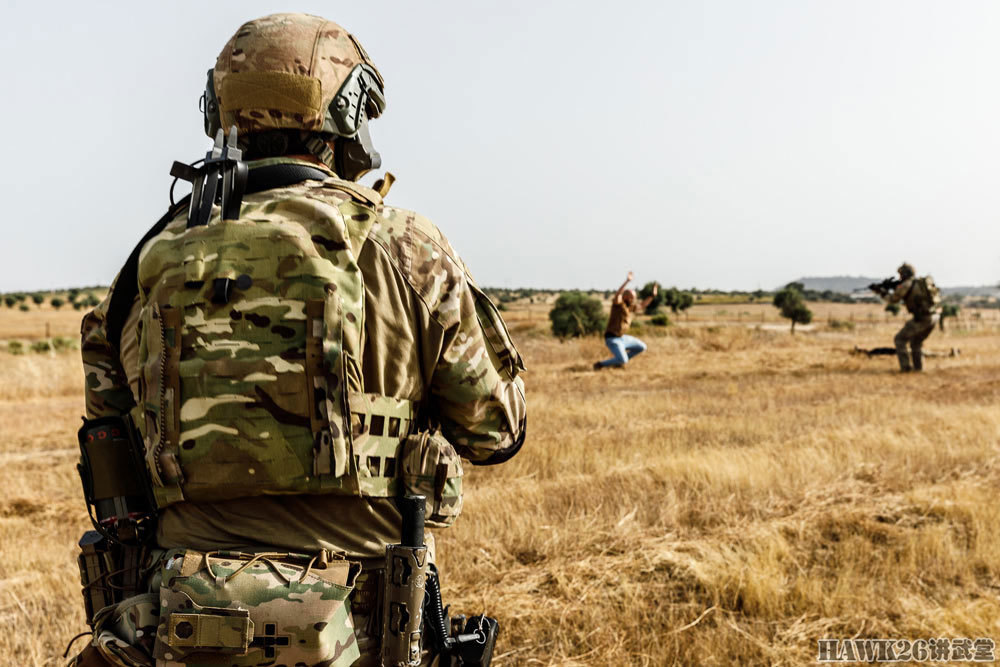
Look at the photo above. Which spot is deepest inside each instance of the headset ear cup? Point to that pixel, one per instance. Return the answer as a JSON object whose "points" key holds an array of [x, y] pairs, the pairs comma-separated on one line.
{"points": [[210, 106]]}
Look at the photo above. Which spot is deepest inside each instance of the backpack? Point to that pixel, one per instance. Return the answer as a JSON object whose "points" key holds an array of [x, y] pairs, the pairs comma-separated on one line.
{"points": [[924, 297], [249, 348]]}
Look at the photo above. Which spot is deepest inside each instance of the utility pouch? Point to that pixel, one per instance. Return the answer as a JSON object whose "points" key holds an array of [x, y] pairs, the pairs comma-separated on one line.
{"points": [[96, 564], [243, 609], [432, 468], [115, 482], [109, 572], [124, 632]]}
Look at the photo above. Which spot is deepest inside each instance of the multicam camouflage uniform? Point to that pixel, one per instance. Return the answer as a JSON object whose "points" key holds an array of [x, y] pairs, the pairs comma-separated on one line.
{"points": [[277, 423], [920, 296]]}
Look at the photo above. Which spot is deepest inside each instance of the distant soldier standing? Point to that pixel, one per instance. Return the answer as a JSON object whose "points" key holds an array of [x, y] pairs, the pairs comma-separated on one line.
{"points": [[922, 299], [623, 307]]}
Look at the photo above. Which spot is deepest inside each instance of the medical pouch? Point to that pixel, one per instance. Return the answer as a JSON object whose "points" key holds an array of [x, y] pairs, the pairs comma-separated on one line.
{"points": [[244, 609]]}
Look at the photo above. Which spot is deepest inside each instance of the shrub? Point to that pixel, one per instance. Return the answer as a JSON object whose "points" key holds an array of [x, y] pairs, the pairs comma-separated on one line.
{"points": [[892, 308], [659, 321], [576, 314], [39, 299], [15, 347], [23, 307], [842, 325], [60, 344], [41, 346], [57, 303]]}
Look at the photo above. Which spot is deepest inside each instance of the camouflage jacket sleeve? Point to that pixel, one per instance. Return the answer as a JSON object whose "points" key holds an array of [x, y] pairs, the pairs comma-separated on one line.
{"points": [[475, 391], [106, 387], [901, 291], [476, 387]]}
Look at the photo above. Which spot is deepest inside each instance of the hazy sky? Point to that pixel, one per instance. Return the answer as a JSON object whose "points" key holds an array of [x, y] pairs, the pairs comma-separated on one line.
{"points": [[726, 143]]}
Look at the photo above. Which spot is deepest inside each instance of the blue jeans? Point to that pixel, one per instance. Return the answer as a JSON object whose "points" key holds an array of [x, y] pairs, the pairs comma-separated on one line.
{"points": [[624, 348]]}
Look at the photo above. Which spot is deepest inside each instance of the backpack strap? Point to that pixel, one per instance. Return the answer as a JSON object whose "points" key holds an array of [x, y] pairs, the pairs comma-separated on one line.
{"points": [[127, 287]]}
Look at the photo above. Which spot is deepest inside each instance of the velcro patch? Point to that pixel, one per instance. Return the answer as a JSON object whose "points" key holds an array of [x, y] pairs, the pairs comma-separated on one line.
{"points": [[284, 91]]}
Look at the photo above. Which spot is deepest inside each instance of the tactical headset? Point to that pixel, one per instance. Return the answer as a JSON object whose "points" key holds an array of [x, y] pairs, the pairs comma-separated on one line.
{"points": [[360, 97]]}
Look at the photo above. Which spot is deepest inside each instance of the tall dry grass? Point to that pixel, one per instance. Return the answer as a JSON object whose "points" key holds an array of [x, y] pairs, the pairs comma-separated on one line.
{"points": [[732, 496]]}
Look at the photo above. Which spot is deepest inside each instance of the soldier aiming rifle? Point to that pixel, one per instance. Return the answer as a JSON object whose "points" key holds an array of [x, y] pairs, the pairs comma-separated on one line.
{"points": [[922, 299]]}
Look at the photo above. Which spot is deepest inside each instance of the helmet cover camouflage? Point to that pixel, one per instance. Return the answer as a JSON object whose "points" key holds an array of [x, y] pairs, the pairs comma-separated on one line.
{"points": [[906, 270], [283, 71]]}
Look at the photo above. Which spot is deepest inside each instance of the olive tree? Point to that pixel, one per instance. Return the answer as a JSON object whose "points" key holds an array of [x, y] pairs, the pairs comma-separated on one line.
{"points": [[792, 305], [658, 298]]}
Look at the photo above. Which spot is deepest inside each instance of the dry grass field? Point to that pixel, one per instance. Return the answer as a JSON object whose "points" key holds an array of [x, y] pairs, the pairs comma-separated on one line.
{"points": [[733, 495]]}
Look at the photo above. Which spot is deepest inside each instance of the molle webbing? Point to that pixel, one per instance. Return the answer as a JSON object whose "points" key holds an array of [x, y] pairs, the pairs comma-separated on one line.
{"points": [[379, 425]]}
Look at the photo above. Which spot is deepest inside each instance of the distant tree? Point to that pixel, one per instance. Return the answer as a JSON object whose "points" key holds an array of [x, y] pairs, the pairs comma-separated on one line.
{"points": [[677, 300], [658, 299], [576, 314], [10, 300], [57, 303], [72, 295], [948, 310], [39, 299], [792, 306], [20, 297], [892, 308]]}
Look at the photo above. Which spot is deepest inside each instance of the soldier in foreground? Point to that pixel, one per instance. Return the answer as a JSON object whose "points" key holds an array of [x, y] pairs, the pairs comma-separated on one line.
{"points": [[623, 308], [280, 361], [922, 299]]}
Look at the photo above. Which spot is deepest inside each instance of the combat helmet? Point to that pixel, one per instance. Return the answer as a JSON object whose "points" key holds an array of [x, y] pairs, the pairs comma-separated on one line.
{"points": [[906, 271], [293, 81]]}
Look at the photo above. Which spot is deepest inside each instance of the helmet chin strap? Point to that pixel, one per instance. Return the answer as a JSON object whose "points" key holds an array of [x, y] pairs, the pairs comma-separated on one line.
{"points": [[321, 150]]}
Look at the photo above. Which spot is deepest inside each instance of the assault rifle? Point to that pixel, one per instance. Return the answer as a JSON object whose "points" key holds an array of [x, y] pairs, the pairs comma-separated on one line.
{"points": [[886, 287]]}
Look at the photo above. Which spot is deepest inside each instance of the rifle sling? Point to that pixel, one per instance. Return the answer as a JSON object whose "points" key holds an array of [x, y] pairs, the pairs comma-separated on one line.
{"points": [[127, 287]]}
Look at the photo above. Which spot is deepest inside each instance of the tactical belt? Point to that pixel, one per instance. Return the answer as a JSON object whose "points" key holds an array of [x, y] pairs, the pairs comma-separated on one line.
{"points": [[127, 287]]}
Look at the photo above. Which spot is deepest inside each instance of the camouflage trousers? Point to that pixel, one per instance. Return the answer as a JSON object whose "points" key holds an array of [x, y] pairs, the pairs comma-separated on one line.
{"points": [[126, 633], [912, 336]]}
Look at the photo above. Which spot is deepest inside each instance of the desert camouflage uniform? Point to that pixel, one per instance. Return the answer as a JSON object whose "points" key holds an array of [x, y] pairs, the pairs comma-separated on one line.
{"points": [[916, 330], [427, 335]]}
